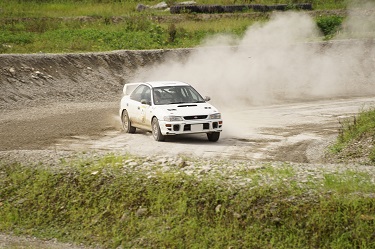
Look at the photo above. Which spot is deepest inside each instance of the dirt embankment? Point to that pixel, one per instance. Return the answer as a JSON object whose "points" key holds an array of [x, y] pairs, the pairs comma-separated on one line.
{"points": [[37, 79]]}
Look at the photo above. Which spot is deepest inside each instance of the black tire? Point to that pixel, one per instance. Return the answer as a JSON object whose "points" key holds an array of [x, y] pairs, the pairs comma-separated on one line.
{"points": [[213, 136], [156, 133], [126, 124]]}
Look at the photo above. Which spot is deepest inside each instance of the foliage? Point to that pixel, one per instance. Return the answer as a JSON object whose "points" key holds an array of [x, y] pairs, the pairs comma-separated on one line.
{"points": [[329, 25], [51, 35], [358, 128], [59, 26], [101, 202]]}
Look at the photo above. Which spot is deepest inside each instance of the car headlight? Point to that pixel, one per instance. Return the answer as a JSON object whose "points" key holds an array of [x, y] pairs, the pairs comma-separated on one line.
{"points": [[173, 118], [215, 116]]}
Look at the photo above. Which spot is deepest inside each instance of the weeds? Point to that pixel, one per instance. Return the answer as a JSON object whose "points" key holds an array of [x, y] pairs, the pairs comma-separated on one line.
{"points": [[85, 26], [353, 130], [101, 202], [329, 25]]}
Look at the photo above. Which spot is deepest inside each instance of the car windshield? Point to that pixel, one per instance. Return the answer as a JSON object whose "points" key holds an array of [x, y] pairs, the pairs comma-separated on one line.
{"points": [[176, 95]]}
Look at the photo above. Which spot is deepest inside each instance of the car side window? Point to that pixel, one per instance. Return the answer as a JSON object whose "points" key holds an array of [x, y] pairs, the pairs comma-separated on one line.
{"points": [[146, 95], [142, 92]]}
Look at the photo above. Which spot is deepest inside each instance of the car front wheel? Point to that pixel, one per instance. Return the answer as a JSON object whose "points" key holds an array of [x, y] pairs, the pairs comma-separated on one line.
{"points": [[126, 125], [213, 136], [156, 133]]}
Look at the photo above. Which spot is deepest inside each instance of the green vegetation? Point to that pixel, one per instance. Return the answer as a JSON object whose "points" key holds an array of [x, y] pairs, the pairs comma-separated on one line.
{"points": [[70, 8], [329, 25], [104, 202], [356, 136], [100, 34], [61, 26]]}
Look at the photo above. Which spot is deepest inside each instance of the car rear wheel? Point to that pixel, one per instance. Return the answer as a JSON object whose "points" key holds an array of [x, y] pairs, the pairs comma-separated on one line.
{"points": [[156, 133], [126, 124], [213, 136]]}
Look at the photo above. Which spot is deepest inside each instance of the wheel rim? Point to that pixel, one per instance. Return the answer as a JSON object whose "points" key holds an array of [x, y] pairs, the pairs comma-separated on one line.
{"points": [[155, 129], [126, 122]]}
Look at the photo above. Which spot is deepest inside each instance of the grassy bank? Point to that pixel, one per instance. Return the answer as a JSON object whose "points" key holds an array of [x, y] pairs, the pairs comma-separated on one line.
{"points": [[113, 201], [355, 141], [133, 32], [71, 8], [86, 26]]}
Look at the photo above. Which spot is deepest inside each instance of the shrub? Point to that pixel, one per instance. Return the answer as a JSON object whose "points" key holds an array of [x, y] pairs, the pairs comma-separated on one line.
{"points": [[329, 25]]}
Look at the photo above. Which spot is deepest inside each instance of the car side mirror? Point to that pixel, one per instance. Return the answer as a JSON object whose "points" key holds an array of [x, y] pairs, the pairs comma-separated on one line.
{"points": [[207, 98], [145, 102]]}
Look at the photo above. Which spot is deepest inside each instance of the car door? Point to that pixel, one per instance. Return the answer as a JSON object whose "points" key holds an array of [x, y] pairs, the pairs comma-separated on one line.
{"points": [[140, 102]]}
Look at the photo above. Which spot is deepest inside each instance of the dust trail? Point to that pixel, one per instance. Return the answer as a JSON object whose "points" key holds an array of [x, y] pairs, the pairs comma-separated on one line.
{"points": [[280, 61]]}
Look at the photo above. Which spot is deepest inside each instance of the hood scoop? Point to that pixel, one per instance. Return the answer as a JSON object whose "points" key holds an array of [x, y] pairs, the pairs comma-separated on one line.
{"points": [[188, 105]]}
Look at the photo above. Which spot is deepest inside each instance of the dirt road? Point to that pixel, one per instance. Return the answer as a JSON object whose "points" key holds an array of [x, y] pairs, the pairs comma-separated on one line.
{"points": [[296, 132]]}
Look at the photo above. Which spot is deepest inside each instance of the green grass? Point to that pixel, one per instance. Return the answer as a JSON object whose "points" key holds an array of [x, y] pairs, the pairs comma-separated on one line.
{"points": [[134, 32], [329, 25], [69, 8], [103, 202], [353, 131], [61, 26]]}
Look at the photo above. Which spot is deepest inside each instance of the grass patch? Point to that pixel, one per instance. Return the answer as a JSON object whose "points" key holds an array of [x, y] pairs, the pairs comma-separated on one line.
{"points": [[133, 32], [356, 136], [107, 202], [329, 25]]}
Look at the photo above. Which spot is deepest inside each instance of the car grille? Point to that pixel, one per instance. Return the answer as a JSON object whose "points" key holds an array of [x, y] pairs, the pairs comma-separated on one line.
{"points": [[195, 117]]}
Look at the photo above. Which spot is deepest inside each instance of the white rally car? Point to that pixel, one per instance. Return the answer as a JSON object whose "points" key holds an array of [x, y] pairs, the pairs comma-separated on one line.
{"points": [[168, 108]]}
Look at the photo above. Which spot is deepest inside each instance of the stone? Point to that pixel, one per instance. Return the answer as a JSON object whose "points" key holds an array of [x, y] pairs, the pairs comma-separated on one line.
{"points": [[141, 7], [160, 6], [187, 3]]}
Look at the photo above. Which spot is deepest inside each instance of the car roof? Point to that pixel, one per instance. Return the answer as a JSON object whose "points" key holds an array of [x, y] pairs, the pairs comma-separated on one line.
{"points": [[165, 83]]}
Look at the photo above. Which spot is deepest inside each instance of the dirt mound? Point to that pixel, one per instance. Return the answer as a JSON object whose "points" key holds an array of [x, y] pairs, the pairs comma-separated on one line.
{"points": [[43, 78]]}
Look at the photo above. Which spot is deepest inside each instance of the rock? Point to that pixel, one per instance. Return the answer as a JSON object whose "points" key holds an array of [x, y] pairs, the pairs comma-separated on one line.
{"points": [[12, 70], [181, 163], [187, 3], [133, 164], [38, 73], [236, 215], [35, 77], [162, 161], [218, 208], [141, 211], [141, 7], [160, 6], [129, 161], [146, 164]]}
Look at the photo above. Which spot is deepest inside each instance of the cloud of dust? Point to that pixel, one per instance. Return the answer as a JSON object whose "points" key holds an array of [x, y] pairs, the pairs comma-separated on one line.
{"points": [[278, 61]]}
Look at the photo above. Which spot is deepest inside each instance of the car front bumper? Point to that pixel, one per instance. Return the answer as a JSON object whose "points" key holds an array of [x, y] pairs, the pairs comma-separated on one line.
{"points": [[190, 127]]}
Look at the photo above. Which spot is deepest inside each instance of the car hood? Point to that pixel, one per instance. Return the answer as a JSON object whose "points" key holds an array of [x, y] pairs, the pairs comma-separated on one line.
{"points": [[185, 109]]}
